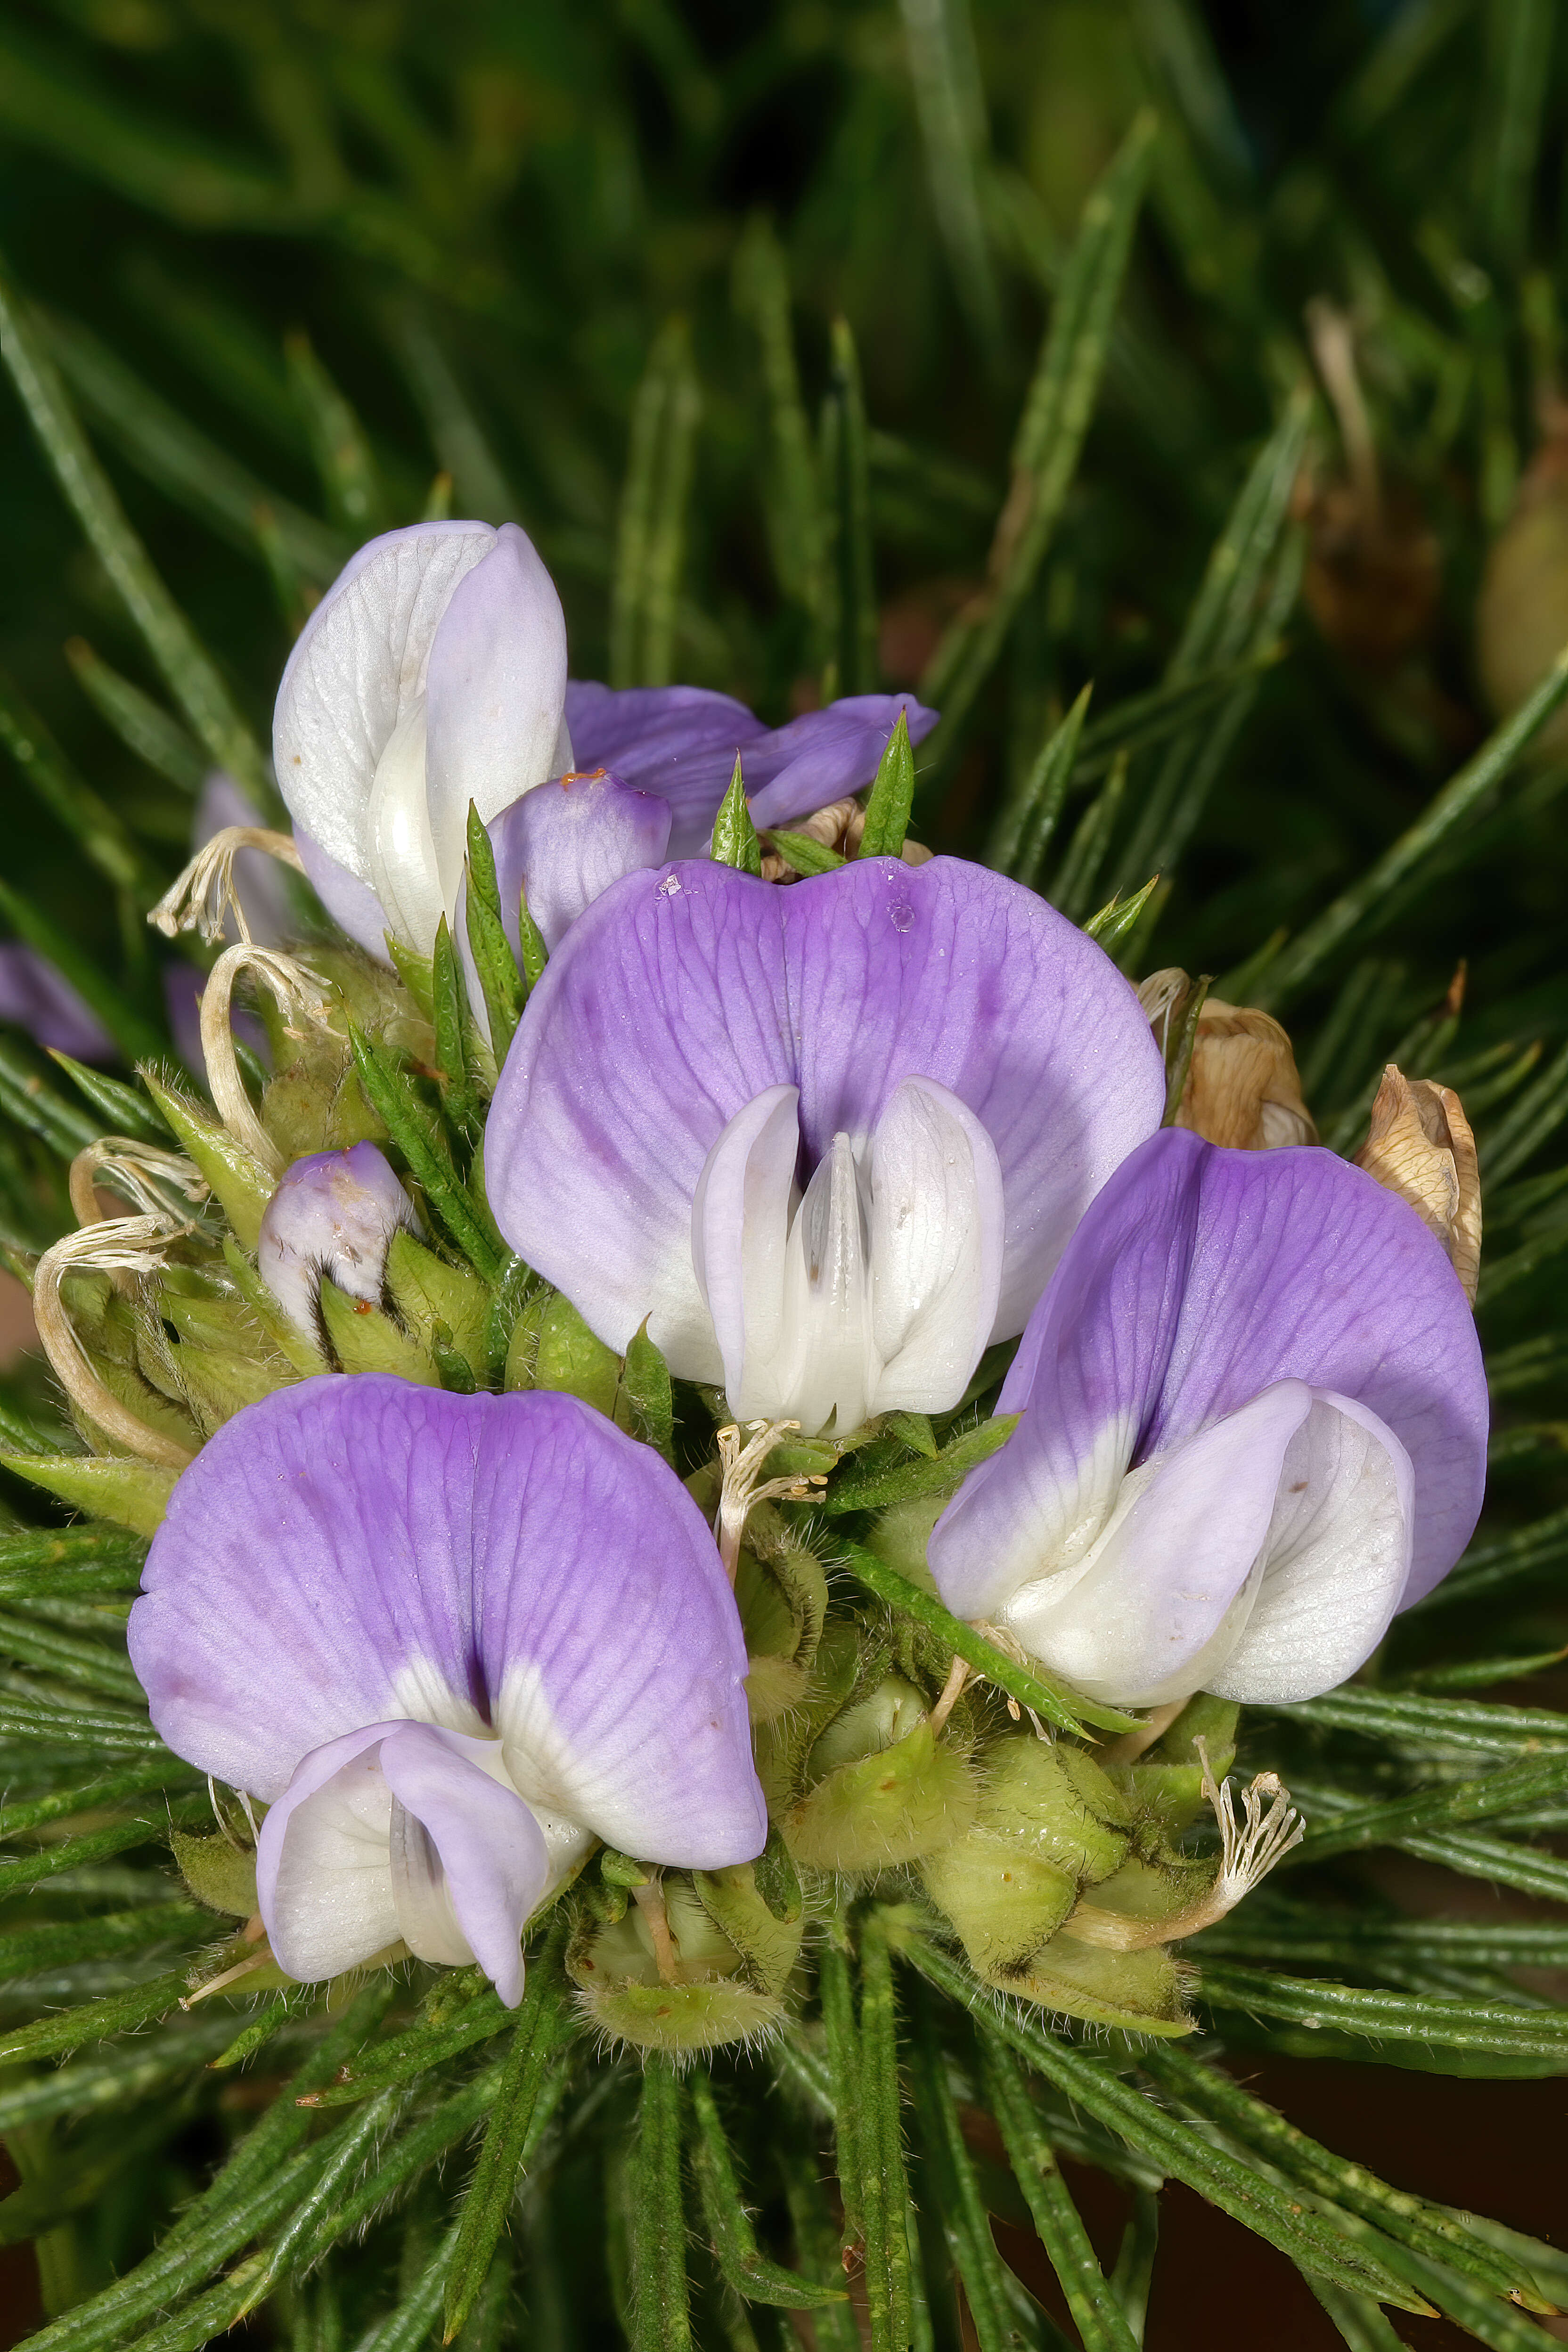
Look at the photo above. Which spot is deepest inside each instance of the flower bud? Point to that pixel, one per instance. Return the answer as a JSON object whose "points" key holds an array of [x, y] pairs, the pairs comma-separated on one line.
{"points": [[1242, 1086], [707, 1991], [1419, 1145], [335, 1214]]}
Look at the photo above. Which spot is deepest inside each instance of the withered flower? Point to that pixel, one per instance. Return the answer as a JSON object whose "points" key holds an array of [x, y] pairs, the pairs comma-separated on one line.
{"points": [[1242, 1088], [1420, 1146]]}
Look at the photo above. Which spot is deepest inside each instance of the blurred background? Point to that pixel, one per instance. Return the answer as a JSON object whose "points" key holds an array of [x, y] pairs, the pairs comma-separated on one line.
{"points": [[741, 312]]}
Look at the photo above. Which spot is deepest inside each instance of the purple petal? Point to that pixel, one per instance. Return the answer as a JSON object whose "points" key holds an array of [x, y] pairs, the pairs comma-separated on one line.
{"points": [[34, 996], [1199, 1278], [354, 1551], [260, 884], [567, 842], [679, 997], [825, 755], [682, 741], [352, 904]]}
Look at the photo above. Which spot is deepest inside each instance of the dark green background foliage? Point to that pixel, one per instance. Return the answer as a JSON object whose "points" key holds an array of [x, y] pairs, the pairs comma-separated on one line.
{"points": [[775, 326]]}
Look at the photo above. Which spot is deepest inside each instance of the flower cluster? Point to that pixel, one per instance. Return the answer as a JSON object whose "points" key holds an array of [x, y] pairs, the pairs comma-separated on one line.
{"points": [[623, 1241]]}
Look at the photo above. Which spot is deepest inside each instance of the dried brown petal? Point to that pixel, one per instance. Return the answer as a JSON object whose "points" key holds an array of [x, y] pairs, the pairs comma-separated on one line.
{"points": [[1242, 1089], [1420, 1146]]}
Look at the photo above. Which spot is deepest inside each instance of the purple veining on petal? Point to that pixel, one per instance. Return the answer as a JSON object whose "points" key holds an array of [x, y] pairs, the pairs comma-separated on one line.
{"points": [[567, 842], [34, 996], [682, 741], [680, 997], [511, 1566], [1200, 1279]]}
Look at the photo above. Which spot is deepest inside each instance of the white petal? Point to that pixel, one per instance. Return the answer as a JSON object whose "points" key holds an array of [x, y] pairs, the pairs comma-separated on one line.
{"points": [[828, 1344], [356, 672], [321, 1863], [1335, 1562], [936, 1222], [1161, 1600], [739, 1234], [497, 693], [399, 845]]}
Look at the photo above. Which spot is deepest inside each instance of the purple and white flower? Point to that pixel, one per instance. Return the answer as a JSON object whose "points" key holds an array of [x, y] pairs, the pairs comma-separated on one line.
{"points": [[449, 1641], [831, 1140], [1255, 1427], [432, 674]]}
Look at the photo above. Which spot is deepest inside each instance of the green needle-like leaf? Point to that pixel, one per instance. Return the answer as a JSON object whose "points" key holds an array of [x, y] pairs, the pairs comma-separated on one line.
{"points": [[391, 1095], [450, 1004], [651, 542], [1023, 831], [1437, 2025], [752, 2276], [1050, 433], [530, 2086], [885, 2191], [500, 982], [189, 671], [144, 726], [105, 839], [1096, 2314], [735, 839], [1237, 2188], [661, 2316], [348, 470], [891, 796], [1065, 1708]]}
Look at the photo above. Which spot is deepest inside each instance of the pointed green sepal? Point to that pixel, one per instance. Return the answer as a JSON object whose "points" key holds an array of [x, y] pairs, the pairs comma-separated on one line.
{"points": [[553, 1347], [801, 854], [893, 797], [133, 1495], [365, 1339], [427, 1290], [645, 1399], [535, 955], [735, 839], [239, 1182], [500, 982], [222, 1876]]}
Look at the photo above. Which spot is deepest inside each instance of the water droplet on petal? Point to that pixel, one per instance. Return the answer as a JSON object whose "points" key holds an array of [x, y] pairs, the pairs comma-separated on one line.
{"points": [[670, 887], [900, 915]]}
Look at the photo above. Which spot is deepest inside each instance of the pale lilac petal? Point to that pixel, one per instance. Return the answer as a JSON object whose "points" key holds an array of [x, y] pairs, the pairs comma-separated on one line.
{"points": [[1157, 1604], [682, 743], [1199, 1279], [37, 998], [496, 684], [352, 1551], [357, 675], [680, 997], [352, 904], [564, 843], [333, 1213], [1335, 1562], [260, 883], [469, 1860]]}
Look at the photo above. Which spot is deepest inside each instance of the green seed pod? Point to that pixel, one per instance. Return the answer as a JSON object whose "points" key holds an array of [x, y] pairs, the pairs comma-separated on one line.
{"points": [[133, 1495], [712, 1995], [901, 1534], [899, 1794], [783, 1743], [317, 1105], [217, 1383]]}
